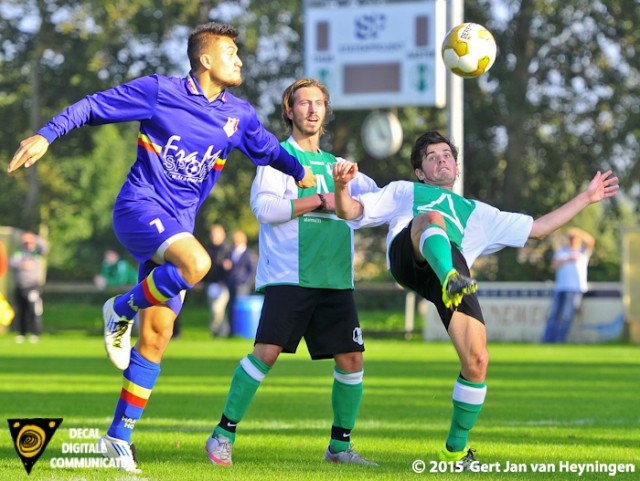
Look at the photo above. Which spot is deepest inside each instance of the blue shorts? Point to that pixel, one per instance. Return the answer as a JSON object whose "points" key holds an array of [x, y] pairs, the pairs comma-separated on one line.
{"points": [[143, 228]]}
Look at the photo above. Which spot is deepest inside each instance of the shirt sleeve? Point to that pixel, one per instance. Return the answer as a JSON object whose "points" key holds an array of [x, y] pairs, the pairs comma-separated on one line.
{"points": [[362, 184], [491, 230], [271, 195], [263, 148], [127, 102], [381, 205]]}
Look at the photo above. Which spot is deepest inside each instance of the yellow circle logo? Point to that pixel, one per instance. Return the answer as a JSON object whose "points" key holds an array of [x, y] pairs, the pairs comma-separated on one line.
{"points": [[30, 440]]}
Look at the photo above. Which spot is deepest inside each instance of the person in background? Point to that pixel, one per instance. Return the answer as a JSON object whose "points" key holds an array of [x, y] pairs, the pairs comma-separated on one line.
{"points": [[570, 263], [28, 268], [4, 259], [6, 311], [115, 271], [216, 280], [242, 271]]}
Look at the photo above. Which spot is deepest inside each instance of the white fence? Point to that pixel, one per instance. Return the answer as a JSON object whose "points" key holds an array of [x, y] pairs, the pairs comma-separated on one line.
{"points": [[517, 312]]}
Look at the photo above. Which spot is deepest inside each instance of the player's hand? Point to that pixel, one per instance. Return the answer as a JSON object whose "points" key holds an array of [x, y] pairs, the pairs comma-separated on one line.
{"points": [[309, 179], [344, 172], [330, 201], [602, 186], [29, 152]]}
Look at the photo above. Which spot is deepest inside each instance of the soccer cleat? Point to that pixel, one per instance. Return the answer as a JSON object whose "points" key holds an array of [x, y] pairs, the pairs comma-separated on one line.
{"points": [[465, 457], [121, 452], [455, 287], [348, 456], [219, 450], [117, 336]]}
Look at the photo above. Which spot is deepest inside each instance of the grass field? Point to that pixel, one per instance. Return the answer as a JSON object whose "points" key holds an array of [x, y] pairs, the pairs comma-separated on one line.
{"points": [[546, 405]]}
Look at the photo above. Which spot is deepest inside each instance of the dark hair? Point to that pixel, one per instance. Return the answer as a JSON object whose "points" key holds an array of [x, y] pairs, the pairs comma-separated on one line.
{"points": [[287, 99], [201, 36], [429, 138]]}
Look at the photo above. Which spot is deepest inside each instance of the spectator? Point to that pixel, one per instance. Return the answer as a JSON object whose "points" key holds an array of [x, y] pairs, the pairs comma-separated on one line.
{"points": [[6, 311], [216, 280], [570, 263], [4, 259], [28, 268], [242, 271], [115, 271]]}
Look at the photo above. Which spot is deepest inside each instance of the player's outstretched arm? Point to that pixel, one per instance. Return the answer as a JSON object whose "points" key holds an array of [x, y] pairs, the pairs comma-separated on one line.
{"points": [[309, 179], [346, 206], [601, 187], [29, 152]]}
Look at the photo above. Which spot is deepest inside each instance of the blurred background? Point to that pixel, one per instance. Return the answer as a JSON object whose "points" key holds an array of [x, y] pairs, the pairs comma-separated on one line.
{"points": [[561, 102]]}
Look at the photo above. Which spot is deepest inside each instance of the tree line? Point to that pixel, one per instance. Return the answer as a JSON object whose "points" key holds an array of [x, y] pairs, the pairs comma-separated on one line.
{"points": [[560, 103]]}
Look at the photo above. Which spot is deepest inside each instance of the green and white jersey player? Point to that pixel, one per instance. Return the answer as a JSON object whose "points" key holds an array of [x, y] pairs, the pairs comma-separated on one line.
{"points": [[434, 238], [311, 249], [305, 269]]}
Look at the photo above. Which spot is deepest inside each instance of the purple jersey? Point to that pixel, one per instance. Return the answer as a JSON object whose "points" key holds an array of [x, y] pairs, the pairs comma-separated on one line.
{"points": [[183, 143]]}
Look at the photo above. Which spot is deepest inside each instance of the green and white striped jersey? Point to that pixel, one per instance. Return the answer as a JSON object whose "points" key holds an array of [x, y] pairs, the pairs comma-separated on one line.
{"points": [[314, 250], [474, 227]]}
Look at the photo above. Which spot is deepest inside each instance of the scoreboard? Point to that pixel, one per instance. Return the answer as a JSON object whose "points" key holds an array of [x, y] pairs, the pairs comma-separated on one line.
{"points": [[374, 54]]}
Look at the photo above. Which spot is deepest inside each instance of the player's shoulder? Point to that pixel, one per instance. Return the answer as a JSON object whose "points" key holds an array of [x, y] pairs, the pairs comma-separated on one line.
{"points": [[404, 185], [155, 83], [242, 105]]}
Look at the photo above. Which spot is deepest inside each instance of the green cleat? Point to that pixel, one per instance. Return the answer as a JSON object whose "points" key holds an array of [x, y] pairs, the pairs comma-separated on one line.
{"points": [[465, 457], [455, 287]]}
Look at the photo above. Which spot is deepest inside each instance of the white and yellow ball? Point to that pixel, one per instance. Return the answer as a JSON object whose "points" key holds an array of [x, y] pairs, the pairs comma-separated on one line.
{"points": [[469, 50]]}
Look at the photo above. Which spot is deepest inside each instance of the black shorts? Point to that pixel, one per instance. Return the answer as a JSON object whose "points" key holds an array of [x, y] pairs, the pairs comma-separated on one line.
{"points": [[326, 318], [419, 277]]}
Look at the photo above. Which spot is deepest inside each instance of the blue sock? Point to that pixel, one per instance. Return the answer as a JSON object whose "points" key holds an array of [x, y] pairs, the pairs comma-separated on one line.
{"points": [[163, 283], [138, 381]]}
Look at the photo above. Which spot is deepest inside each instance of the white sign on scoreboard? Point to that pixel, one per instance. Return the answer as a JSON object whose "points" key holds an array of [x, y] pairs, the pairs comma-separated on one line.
{"points": [[377, 54]]}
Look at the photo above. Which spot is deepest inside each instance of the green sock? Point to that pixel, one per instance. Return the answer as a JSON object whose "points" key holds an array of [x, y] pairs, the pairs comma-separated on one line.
{"points": [[468, 398], [245, 383], [345, 400], [436, 248]]}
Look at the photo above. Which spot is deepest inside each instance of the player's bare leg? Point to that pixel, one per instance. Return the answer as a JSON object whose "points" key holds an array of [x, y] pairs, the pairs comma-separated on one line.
{"points": [[469, 337], [183, 264]]}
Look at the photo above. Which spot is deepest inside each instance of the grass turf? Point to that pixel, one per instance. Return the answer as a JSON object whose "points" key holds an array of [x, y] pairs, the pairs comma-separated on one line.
{"points": [[546, 405]]}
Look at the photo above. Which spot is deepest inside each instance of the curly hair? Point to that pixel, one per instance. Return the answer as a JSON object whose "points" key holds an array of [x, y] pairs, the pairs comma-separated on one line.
{"points": [[426, 139]]}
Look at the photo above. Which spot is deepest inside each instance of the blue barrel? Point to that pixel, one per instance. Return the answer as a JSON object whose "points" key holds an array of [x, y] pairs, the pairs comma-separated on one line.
{"points": [[246, 316]]}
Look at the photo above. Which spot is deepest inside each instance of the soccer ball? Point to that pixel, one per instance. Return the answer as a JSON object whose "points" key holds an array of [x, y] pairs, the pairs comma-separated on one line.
{"points": [[469, 50]]}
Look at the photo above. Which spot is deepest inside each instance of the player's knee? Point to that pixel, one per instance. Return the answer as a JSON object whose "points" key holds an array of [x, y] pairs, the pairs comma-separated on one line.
{"points": [[480, 364], [349, 362], [475, 367], [267, 353], [197, 267], [422, 221], [202, 265]]}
